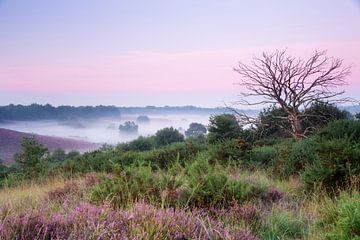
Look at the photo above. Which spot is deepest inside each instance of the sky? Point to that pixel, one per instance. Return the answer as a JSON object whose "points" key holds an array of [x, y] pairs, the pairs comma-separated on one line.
{"points": [[159, 52]]}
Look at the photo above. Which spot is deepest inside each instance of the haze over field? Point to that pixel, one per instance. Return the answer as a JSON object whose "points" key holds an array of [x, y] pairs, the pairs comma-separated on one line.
{"points": [[104, 130]]}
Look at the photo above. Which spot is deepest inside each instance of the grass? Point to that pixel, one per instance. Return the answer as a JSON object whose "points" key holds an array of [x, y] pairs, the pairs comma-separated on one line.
{"points": [[156, 209]]}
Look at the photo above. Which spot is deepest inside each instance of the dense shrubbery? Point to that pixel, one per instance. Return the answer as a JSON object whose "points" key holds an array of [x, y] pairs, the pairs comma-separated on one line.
{"points": [[198, 183], [342, 218], [223, 127], [167, 136]]}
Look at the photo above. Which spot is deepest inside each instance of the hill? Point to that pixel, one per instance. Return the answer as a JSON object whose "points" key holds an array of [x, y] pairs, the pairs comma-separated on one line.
{"points": [[10, 143]]}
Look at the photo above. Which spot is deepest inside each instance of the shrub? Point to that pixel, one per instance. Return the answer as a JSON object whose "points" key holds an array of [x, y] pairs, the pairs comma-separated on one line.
{"points": [[32, 157], [301, 154], [349, 129], [223, 127], [227, 150], [344, 222], [139, 144], [263, 155], [210, 185], [167, 136], [284, 225], [196, 184], [134, 182], [338, 160]]}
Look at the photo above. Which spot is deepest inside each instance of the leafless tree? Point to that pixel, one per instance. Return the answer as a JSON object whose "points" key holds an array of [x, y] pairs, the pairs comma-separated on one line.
{"points": [[292, 84]]}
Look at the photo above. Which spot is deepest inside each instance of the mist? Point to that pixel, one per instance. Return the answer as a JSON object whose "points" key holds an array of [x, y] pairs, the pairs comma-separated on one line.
{"points": [[105, 130]]}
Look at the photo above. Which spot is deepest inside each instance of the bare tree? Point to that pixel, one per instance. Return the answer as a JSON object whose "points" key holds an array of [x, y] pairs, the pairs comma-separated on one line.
{"points": [[292, 84]]}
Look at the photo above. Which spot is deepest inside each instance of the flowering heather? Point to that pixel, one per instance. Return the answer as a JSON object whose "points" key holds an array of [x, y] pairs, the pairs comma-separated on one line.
{"points": [[62, 193], [143, 221], [272, 195]]}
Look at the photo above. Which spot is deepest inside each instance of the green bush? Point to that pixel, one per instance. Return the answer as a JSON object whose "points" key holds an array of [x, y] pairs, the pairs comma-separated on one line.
{"points": [[198, 184], [338, 160], [284, 225], [344, 223], [167, 136], [301, 154], [223, 127], [227, 150], [210, 184], [32, 158], [139, 144], [263, 155], [349, 129], [136, 181]]}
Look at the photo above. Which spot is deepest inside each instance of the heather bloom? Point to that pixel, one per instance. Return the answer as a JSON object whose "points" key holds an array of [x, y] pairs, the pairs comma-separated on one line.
{"points": [[62, 193], [143, 221], [272, 195]]}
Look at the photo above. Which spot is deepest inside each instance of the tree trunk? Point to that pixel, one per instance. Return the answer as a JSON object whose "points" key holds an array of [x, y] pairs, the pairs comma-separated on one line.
{"points": [[296, 127]]}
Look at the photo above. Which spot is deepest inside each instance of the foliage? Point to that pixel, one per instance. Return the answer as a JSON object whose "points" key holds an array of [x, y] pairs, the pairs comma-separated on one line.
{"points": [[322, 113], [195, 130], [139, 144], [3, 170], [345, 219], [272, 123], [262, 155], [42, 112], [167, 136], [338, 161], [196, 184], [223, 127], [284, 225], [128, 127], [32, 157], [338, 156], [228, 150], [348, 129]]}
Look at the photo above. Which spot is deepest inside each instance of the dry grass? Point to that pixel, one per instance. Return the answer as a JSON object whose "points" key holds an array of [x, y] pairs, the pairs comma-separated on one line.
{"points": [[29, 195]]}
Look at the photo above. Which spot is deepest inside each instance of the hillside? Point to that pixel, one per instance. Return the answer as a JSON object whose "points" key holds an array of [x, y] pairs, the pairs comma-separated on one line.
{"points": [[10, 142]]}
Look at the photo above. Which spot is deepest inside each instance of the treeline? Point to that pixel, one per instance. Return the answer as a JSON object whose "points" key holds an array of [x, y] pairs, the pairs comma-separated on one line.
{"points": [[178, 109], [49, 112]]}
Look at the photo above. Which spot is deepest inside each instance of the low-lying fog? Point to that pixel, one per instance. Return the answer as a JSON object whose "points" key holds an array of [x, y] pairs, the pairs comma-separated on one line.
{"points": [[105, 130]]}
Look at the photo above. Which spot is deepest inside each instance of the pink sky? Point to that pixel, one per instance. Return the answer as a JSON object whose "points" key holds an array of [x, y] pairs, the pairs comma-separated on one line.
{"points": [[157, 72], [148, 56]]}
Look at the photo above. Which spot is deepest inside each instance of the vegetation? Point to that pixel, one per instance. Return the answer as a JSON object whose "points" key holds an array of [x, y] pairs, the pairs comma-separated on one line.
{"points": [[232, 183], [196, 130], [47, 112], [223, 127], [129, 127], [167, 136]]}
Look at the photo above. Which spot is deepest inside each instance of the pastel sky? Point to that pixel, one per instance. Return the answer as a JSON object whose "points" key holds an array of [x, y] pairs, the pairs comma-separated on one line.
{"points": [[159, 52]]}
